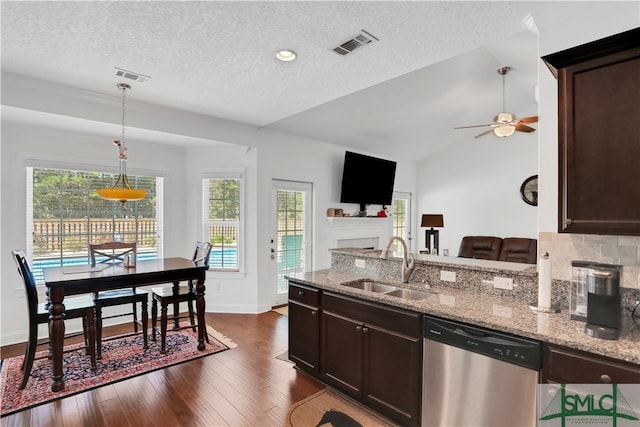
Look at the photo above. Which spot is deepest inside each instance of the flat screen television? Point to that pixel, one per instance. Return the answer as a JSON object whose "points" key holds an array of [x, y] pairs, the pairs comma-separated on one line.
{"points": [[367, 180]]}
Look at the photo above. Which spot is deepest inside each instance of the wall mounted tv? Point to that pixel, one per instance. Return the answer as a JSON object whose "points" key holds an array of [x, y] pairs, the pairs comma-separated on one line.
{"points": [[367, 180]]}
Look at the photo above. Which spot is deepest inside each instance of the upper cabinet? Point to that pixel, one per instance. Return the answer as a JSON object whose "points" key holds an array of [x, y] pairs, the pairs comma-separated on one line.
{"points": [[599, 135]]}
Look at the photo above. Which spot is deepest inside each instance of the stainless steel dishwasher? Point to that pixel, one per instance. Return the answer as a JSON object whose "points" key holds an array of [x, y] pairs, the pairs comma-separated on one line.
{"points": [[477, 377]]}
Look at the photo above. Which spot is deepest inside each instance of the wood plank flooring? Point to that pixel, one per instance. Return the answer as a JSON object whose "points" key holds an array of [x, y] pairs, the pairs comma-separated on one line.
{"points": [[244, 386]]}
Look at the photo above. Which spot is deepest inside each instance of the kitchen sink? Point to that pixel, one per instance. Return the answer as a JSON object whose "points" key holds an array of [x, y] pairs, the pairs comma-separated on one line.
{"points": [[411, 294], [368, 285]]}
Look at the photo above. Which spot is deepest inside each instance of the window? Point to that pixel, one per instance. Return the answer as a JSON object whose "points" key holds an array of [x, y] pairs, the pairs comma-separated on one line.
{"points": [[222, 203], [65, 214]]}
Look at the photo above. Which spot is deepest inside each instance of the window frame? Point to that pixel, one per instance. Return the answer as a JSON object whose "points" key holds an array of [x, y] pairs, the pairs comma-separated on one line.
{"points": [[206, 223], [33, 165]]}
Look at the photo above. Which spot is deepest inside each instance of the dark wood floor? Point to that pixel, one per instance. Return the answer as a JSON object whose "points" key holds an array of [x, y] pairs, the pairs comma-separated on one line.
{"points": [[244, 386]]}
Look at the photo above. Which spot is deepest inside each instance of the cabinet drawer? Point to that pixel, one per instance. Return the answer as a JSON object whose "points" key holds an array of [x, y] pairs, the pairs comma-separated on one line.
{"points": [[304, 294], [572, 367], [391, 318]]}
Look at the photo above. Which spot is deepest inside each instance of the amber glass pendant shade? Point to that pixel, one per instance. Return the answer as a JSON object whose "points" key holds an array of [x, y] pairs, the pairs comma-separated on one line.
{"points": [[121, 190]]}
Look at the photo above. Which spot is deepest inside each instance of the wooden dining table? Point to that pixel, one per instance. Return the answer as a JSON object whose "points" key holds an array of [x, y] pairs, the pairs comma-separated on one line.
{"points": [[83, 279]]}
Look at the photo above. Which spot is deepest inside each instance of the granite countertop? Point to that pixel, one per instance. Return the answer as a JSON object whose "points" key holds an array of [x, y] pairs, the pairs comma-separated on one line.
{"points": [[501, 313]]}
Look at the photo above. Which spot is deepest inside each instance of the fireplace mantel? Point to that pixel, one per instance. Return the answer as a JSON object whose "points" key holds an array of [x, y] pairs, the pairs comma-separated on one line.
{"points": [[355, 228]]}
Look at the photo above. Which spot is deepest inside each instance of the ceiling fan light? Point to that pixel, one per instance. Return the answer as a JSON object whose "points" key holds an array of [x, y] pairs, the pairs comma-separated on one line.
{"points": [[504, 131], [504, 118]]}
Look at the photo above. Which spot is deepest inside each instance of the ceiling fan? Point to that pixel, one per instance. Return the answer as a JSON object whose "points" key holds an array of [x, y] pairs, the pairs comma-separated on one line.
{"points": [[505, 124]]}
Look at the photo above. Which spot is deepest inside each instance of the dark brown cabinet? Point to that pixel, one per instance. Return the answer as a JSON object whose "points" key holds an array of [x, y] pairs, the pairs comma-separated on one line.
{"points": [[599, 135], [304, 327], [567, 366], [373, 353]]}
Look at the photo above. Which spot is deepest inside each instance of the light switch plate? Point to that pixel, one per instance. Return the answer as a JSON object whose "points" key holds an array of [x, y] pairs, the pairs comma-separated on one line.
{"points": [[503, 283], [360, 263], [447, 276]]}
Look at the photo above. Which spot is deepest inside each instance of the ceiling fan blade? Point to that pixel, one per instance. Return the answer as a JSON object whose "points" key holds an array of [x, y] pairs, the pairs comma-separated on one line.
{"points": [[475, 126], [483, 133], [524, 128], [532, 119]]}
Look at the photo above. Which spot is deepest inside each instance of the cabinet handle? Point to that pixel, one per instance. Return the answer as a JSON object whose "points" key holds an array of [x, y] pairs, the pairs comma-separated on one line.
{"points": [[314, 312], [365, 330], [605, 378], [300, 293], [358, 328], [568, 222]]}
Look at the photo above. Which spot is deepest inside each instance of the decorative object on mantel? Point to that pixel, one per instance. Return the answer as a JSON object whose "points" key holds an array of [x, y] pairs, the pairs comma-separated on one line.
{"points": [[331, 212], [529, 190], [432, 220], [505, 124], [121, 190]]}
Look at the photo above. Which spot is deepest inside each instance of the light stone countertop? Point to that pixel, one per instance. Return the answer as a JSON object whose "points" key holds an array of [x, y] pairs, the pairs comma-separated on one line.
{"points": [[500, 313]]}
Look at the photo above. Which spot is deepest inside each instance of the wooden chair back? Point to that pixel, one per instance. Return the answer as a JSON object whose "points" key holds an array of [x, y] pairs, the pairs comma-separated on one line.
{"points": [[202, 253], [111, 252], [29, 282]]}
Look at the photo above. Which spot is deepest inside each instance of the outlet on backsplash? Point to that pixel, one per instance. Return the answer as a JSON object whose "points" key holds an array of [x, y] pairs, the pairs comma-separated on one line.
{"points": [[447, 276], [503, 283], [360, 263]]}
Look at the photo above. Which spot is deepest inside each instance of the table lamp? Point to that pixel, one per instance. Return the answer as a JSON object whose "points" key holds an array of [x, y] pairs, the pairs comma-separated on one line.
{"points": [[432, 220]]}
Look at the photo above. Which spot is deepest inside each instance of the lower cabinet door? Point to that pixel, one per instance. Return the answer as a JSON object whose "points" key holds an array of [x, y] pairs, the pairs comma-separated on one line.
{"points": [[304, 337], [393, 379], [341, 353]]}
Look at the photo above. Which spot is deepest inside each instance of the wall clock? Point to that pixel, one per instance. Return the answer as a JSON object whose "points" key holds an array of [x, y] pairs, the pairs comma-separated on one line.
{"points": [[529, 190]]}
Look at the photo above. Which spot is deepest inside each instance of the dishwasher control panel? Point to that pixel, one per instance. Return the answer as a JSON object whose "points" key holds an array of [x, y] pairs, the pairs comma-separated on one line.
{"points": [[508, 348]]}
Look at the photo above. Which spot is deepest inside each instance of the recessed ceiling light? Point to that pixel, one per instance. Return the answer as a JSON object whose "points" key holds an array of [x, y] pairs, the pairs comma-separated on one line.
{"points": [[286, 55]]}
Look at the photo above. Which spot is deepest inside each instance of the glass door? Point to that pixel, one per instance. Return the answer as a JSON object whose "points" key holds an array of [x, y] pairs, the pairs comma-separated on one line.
{"points": [[401, 220], [291, 236]]}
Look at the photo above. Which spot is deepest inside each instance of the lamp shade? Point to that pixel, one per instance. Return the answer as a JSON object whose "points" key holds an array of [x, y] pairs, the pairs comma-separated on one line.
{"points": [[432, 220]]}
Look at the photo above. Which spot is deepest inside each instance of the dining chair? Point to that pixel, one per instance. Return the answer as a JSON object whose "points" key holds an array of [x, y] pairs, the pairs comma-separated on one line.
{"points": [[113, 252], [175, 295], [75, 307]]}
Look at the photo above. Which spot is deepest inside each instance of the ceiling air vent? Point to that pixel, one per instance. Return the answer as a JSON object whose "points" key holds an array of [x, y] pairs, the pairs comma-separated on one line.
{"points": [[131, 75], [360, 40]]}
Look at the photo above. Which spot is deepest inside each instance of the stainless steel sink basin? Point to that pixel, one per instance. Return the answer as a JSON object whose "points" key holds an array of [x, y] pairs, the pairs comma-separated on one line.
{"points": [[368, 285], [411, 294]]}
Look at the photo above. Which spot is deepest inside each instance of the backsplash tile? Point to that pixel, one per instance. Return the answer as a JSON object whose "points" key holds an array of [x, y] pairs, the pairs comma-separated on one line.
{"points": [[564, 248]]}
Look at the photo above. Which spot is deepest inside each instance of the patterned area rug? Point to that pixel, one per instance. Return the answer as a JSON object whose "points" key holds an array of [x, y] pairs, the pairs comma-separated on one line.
{"points": [[121, 359], [328, 407]]}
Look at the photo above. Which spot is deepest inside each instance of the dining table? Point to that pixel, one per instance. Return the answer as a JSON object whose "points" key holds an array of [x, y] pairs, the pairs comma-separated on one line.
{"points": [[82, 279]]}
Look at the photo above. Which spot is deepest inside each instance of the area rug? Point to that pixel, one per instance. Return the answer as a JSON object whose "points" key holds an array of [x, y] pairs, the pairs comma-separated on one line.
{"points": [[121, 359], [331, 408]]}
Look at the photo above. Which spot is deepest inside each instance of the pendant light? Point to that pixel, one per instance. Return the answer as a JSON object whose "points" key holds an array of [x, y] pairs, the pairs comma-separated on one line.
{"points": [[121, 190]]}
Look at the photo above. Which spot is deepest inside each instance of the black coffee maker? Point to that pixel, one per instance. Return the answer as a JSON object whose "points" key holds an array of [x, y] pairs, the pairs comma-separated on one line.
{"points": [[604, 308]]}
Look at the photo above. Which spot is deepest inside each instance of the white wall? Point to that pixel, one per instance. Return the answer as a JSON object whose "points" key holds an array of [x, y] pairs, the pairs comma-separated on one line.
{"points": [[285, 157], [226, 292], [475, 184]]}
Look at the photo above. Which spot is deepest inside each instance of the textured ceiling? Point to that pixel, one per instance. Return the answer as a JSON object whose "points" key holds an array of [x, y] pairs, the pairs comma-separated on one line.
{"points": [[433, 68]]}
